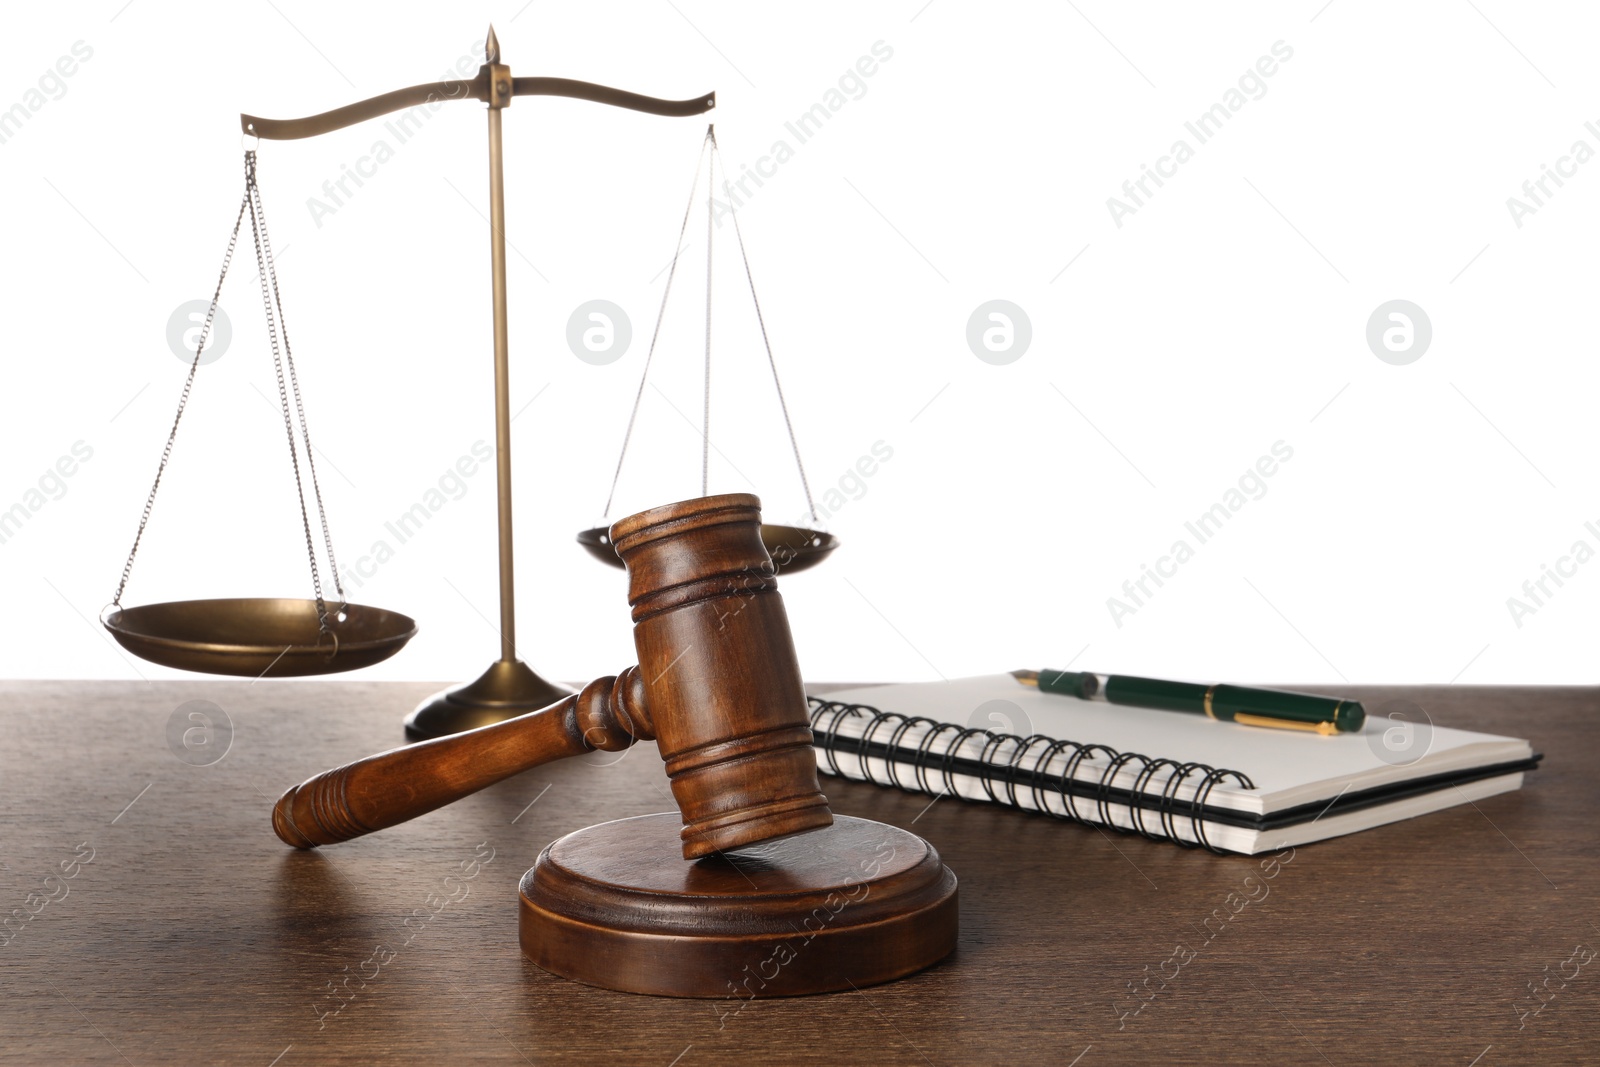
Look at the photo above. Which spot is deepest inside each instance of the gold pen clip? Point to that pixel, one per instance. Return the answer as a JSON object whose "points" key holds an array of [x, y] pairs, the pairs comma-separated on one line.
{"points": [[1326, 729]]}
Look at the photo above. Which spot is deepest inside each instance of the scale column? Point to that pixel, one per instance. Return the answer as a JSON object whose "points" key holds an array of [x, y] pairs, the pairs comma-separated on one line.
{"points": [[499, 98], [509, 687]]}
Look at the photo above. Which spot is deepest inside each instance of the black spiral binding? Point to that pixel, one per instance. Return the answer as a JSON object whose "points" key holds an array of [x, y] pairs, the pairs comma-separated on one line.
{"points": [[935, 764]]}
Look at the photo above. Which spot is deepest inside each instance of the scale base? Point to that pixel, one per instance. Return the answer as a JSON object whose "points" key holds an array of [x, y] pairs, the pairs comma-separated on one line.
{"points": [[853, 904], [507, 689]]}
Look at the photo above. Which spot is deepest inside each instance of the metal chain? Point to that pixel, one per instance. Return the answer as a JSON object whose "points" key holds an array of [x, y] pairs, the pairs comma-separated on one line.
{"points": [[771, 362], [715, 153], [661, 314], [188, 383], [271, 297], [294, 382], [252, 194]]}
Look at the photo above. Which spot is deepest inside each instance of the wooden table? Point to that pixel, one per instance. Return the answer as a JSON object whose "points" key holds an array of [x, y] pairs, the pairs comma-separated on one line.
{"points": [[193, 935]]}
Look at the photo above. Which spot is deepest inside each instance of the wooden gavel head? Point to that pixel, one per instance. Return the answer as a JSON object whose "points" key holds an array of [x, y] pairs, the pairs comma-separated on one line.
{"points": [[717, 686], [720, 678]]}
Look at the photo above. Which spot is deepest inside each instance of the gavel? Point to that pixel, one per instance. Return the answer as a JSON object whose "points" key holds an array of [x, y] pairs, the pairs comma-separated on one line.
{"points": [[717, 686]]}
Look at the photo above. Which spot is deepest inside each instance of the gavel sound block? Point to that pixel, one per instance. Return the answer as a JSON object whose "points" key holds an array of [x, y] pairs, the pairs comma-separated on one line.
{"points": [[752, 888]]}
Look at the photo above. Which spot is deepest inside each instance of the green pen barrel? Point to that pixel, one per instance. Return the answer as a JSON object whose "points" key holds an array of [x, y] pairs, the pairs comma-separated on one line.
{"points": [[1155, 693], [1228, 701], [1080, 684]]}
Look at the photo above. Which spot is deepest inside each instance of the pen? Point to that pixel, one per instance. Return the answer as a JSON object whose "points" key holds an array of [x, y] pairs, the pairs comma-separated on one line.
{"points": [[1228, 703]]}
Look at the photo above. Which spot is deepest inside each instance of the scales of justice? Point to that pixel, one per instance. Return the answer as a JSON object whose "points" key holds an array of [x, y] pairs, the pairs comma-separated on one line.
{"points": [[753, 887]]}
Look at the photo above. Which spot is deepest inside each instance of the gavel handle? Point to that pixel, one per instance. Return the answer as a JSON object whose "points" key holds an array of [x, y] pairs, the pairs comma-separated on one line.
{"points": [[392, 787]]}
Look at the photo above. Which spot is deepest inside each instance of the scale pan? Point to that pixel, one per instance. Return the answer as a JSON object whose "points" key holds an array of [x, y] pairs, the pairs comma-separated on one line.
{"points": [[257, 637], [792, 548]]}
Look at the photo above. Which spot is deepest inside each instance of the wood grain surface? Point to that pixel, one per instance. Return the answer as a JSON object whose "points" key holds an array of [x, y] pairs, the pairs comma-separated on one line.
{"points": [[169, 925]]}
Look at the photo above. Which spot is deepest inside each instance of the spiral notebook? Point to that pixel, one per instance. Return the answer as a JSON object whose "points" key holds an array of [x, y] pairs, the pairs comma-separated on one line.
{"points": [[1166, 775]]}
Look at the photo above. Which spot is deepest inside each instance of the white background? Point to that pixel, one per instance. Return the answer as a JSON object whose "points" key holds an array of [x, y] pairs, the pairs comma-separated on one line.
{"points": [[1168, 354]]}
